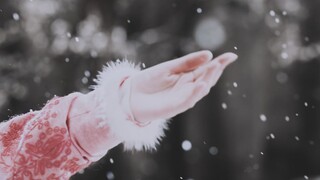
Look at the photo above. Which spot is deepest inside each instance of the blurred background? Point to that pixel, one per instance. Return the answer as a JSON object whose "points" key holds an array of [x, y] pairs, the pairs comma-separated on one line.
{"points": [[260, 122]]}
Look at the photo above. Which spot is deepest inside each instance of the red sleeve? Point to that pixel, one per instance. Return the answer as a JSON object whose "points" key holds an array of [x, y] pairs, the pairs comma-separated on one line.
{"points": [[37, 145], [71, 132]]}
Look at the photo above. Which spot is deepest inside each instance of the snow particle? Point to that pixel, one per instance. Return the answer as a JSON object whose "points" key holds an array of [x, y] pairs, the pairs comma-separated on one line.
{"points": [[87, 73], [256, 166], [261, 153], [84, 80], [284, 45], [311, 142], [93, 53], [272, 136], [235, 84], [229, 92], [235, 48], [66, 59], [16, 16], [213, 150], [143, 65], [277, 20], [284, 55], [128, 21], [305, 177], [110, 175], [224, 106], [186, 145], [305, 104], [263, 117], [77, 39], [282, 77], [111, 161], [199, 10], [297, 114], [69, 35], [284, 13], [272, 13], [287, 118], [297, 138], [251, 156]]}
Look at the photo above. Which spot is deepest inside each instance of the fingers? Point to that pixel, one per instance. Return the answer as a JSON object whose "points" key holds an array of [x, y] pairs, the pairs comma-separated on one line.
{"points": [[185, 98], [226, 59], [188, 62], [182, 64], [214, 70]]}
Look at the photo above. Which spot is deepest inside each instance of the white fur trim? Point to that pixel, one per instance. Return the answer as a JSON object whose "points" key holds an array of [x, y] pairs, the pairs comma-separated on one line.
{"points": [[114, 108]]}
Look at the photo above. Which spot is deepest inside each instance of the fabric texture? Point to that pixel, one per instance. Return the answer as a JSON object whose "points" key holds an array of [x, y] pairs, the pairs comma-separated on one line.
{"points": [[70, 132]]}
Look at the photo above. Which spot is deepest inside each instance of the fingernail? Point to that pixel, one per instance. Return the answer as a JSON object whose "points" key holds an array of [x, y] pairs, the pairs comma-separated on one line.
{"points": [[232, 57], [209, 54], [229, 58]]}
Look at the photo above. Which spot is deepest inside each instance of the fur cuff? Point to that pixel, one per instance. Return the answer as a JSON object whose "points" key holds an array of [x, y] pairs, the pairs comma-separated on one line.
{"points": [[114, 108]]}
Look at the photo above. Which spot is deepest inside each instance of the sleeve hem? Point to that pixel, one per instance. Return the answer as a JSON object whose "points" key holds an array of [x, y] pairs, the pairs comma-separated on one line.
{"points": [[118, 116]]}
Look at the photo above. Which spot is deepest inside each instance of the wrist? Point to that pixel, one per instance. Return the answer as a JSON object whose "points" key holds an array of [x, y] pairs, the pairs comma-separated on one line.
{"points": [[126, 91]]}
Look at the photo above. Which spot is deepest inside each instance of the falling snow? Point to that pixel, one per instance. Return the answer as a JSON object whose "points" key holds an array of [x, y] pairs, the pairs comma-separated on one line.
{"points": [[287, 118], [224, 106], [87, 73], [213, 150], [186, 145], [110, 175], [272, 13], [199, 10], [16, 16], [284, 55], [235, 84], [84, 80], [272, 136], [263, 117]]}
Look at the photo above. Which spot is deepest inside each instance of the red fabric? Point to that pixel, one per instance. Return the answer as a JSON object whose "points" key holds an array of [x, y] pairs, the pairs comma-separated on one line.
{"points": [[38, 145]]}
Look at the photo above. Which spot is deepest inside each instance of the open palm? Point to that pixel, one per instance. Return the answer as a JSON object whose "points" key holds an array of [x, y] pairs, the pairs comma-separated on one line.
{"points": [[172, 87]]}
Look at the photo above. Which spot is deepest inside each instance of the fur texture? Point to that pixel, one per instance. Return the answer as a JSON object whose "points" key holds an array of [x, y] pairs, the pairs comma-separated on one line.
{"points": [[114, 108]]}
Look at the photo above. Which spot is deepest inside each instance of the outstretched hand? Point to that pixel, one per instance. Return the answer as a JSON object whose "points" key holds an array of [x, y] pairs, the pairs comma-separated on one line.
{"points": [[172, 87]]}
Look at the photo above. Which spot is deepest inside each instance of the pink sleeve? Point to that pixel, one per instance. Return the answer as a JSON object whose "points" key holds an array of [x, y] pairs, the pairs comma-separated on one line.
{"points": [[37, 145], [73, 131]]}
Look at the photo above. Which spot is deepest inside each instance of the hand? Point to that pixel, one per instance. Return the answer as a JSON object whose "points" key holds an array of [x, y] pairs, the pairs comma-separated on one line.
{"points": [[172, 87]]}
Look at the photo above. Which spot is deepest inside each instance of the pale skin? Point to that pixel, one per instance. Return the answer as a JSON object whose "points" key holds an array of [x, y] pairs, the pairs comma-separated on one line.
{"points": [[172, 87]]}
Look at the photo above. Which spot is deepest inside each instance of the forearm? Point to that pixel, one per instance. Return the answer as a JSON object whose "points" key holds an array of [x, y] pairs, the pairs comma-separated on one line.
{"points": [[72, 131]]}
